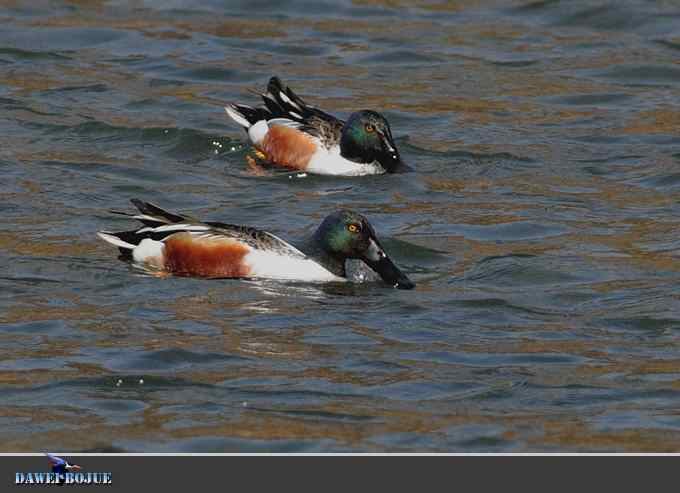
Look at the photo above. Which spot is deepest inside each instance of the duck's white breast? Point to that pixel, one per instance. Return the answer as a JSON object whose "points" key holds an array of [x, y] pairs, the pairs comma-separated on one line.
{"points": [[273, 265], [330, 162]]}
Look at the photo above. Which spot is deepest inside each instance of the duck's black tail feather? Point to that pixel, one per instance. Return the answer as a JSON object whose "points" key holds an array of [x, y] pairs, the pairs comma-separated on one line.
{"points": [[283, 102], [279, 102], [154, 212], [151, 217], [246, 116]]}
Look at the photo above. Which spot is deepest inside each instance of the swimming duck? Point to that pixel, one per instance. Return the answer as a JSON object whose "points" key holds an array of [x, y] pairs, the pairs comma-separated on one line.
{"points": [[181, 245], [293, 134]]}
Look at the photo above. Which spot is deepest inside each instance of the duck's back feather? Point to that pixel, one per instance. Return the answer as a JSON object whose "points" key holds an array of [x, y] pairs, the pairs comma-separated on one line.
{"points": [[283, 107], [182, 246]]}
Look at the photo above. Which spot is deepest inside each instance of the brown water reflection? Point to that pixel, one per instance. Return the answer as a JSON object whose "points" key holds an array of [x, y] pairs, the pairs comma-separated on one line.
{"points": [[540, 226]]}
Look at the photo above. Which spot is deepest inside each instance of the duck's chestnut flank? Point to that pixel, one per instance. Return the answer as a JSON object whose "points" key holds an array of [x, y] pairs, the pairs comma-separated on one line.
{"points": [[187, 256], [288, 147]]}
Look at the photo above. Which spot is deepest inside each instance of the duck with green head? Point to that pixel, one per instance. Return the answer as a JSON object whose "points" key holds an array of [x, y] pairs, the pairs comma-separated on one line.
{"points": [[293, 134], [346, 235], [170, 243]]}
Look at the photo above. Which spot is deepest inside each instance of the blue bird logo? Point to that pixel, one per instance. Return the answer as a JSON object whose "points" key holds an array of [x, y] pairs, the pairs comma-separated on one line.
{"points": [[61, 466]]}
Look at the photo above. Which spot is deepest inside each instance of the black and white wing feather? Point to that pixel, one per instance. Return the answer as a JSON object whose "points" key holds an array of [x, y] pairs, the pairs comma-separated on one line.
{"points": [[159, 224], [282, 104]]}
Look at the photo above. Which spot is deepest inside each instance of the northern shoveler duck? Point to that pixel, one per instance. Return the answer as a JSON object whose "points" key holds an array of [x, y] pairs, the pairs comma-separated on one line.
{"points": [[180, 245], [293, 134], [61, 466]]}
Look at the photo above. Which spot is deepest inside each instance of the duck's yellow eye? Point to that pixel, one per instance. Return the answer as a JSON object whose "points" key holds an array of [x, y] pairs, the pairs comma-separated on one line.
{"points": [[352, 228], [369, 127]]}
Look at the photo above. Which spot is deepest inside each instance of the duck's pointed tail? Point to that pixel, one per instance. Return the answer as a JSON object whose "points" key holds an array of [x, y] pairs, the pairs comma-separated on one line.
{"points": [[279, 102], [157, 222], [246, 116]]}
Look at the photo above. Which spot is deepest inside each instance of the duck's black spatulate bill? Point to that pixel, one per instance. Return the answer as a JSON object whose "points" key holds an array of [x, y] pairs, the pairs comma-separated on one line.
{"points": [[391, 274], [377, 259]]}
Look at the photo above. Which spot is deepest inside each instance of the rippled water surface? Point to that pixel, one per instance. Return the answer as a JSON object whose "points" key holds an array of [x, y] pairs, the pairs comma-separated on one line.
{"points": [[540, 226]]}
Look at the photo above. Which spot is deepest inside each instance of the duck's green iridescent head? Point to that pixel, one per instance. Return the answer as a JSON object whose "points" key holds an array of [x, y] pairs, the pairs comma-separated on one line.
{"points": [[367, 138], [347, 234]]}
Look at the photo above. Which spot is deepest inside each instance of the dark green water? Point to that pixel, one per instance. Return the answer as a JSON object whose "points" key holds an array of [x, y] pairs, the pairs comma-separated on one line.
{"points": [[540, 226]]}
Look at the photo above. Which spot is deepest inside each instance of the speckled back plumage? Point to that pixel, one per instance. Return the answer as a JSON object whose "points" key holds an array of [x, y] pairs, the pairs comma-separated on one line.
{"points": [[281, 102], [160, 223]]}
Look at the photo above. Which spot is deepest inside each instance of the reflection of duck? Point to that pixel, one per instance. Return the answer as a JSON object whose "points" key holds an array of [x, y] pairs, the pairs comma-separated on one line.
{"points": [[290, 133], [61, 466], [184, 246]]}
